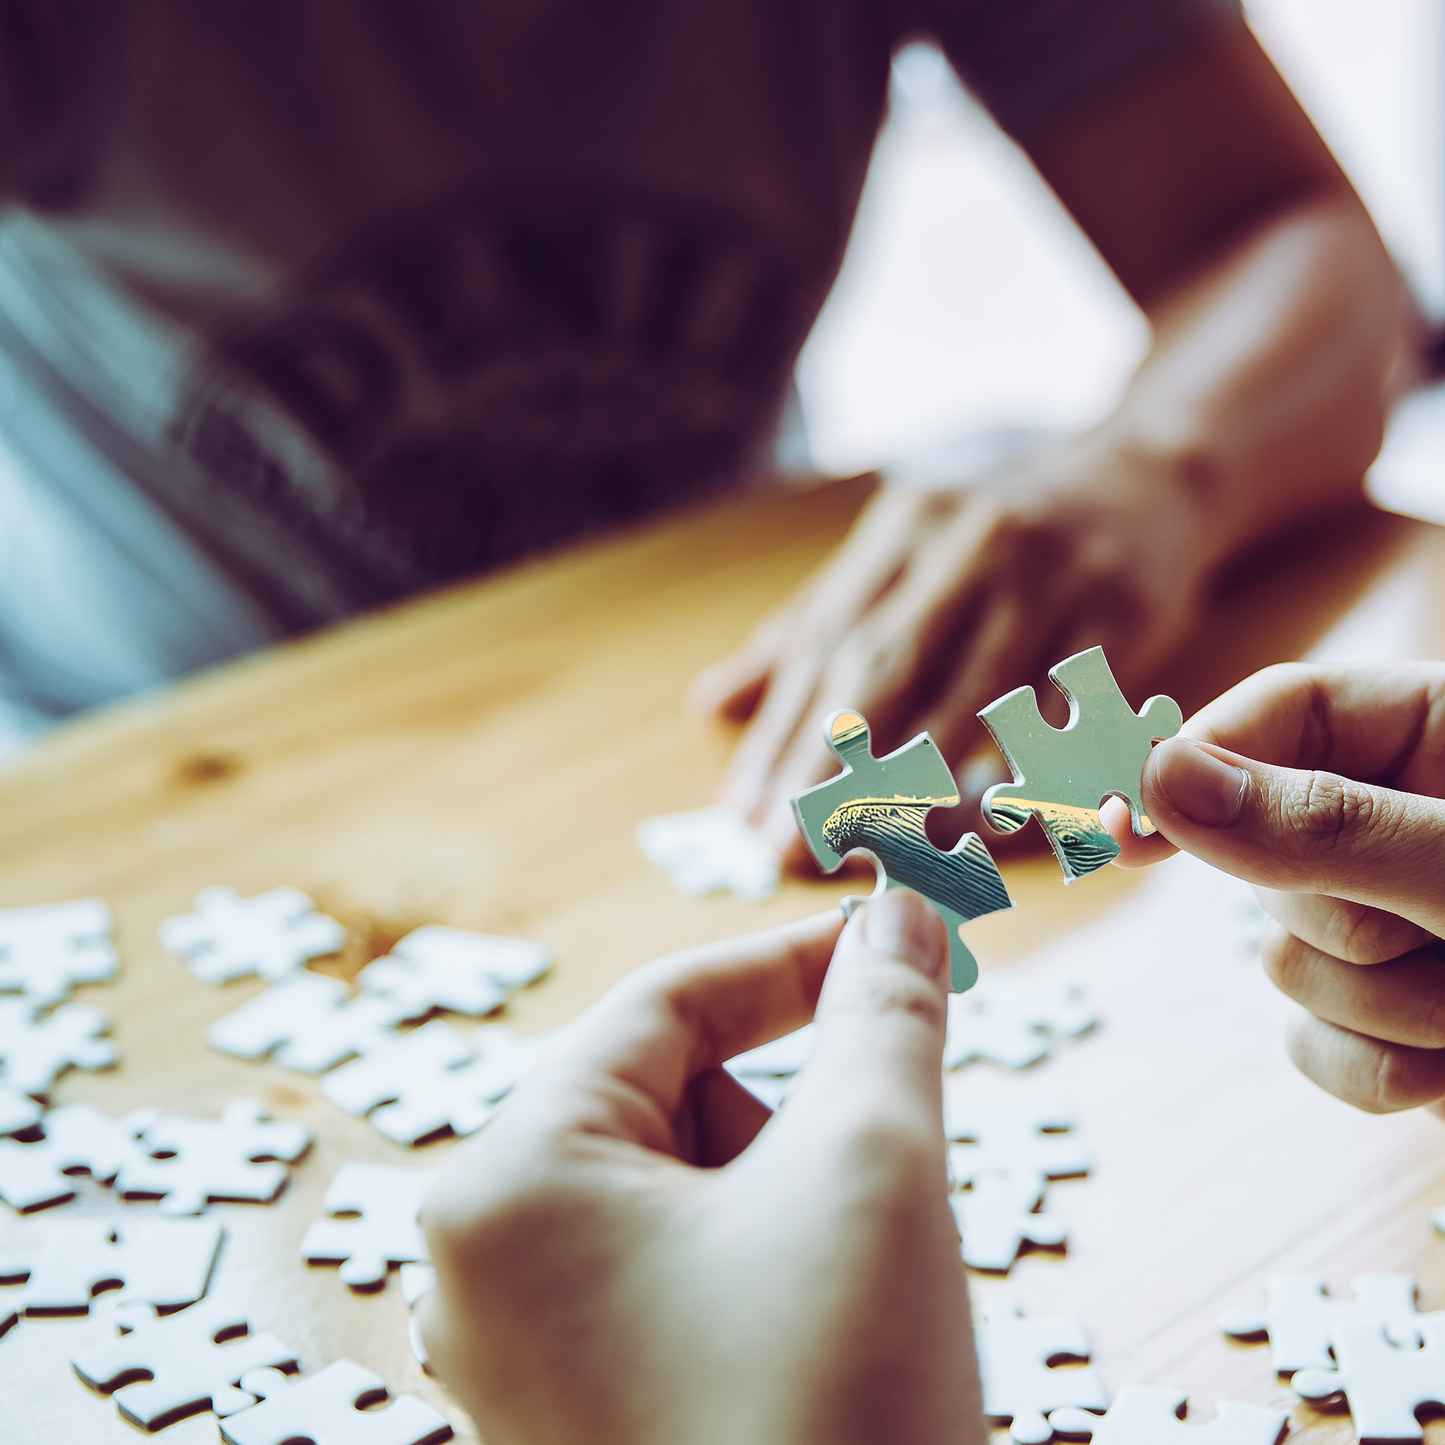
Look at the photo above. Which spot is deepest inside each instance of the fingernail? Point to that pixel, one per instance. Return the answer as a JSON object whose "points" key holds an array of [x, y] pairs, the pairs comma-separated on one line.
{"points": [[904, 926], [1204, 788]]}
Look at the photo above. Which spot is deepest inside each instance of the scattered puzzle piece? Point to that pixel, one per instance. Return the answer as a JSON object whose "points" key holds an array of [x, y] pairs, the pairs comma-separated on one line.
{"points": [[1301, 1319], [18, 1112], [35, 1052], [1019, 1383], [47, 948], [1030, 1132], [711, 850], [164, 1368], [1383, 1383], [1063, 775], [450, 968], [335, 1406], [385, 1201], [1012, 1021], [78, 1139], [187, 1163], [228, 936], [996, 1217], [167, 1262], [878, 806], [1141, 1416], [306, 1022]]}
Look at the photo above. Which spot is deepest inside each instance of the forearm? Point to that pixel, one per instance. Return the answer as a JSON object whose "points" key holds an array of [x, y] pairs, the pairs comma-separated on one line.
{"points": [[1265, 392]]}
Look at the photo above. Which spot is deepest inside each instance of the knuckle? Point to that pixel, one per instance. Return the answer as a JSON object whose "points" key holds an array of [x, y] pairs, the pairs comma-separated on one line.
{"points": [[1327, 812], [1359, 934]]}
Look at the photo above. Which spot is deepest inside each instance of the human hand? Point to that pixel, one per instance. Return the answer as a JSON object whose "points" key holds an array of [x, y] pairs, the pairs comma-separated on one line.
{"points": [[635, 1250], [937, 602], [1341, 827]]}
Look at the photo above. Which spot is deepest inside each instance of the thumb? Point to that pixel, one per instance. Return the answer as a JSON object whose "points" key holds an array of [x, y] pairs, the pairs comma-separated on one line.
{"points": [[1300, 830]]}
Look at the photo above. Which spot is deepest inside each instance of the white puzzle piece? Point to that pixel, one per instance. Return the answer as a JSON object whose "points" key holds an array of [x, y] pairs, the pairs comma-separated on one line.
{"points": [[18, 1112], [48, 948], [188, 1163], [1013, 1021], [711, 850], [436, 967], [167, 1262], [1141, 1416], [34, 1052], [326, 1409], [1019, 1384], [1032, 1132], [1383, 1382], [1301, 1319], [78, 1139], [384, 1202], [996, 1217], [271, 934], [306, 1022], [194, 1359]]}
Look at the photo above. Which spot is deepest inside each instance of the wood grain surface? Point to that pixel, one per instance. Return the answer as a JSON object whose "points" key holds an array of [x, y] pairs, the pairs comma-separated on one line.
{"points": [[482, 757]]}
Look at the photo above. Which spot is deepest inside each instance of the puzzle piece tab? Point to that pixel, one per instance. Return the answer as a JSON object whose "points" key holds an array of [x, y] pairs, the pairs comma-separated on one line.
{"points": [[1142, 1416], [271, 934], [34, 1052], [878, 806], [1008, 1133], [384, 1202], [167, 1262], [996, 1218], [1013, 1021], [335, 1406], [1019, 1383], [47, 948], [78, 1139], [1301, 1319], [187, 1163], [1384, 1383], [195, 1359], [1063, 775]]}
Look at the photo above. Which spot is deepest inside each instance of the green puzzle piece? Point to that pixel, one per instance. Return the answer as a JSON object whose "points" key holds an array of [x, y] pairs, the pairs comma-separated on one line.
{"points": [[1064, 774], [877, 806]]}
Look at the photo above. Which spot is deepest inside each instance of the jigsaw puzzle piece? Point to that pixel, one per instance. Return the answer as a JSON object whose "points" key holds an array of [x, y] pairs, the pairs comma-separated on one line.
{"points": [[372, 1223], [335, 1406], [1062, 775], [452, 968], [1013, 1021], [165, 1367], [878, 806], [1301, 1319], [167, 1262], [1019, 1366], [1384, 1383], [78, 1139], [307, 1022], [47, 948], [187, 1163], [18, 1112], [711, 850], [34, 1052], [272, 934], [1009, 1133], [996, 1218], [1143, 1416]]}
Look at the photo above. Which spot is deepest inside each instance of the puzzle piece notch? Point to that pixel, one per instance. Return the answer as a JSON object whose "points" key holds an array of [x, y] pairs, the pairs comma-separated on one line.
{"points": [[879, 807], [711, 850], [1145, 1416], [308, 1023], [1013, 1021], [272, 934], [167, 1262], [384, 1201], [188, 1163], [47, 948], [1062, 775], [34, 1052], [165, 1367], [78, 1139], [1384, 1381], [1013, 1132], [1020, 1384], [1300, 1318], [996, 1217]]}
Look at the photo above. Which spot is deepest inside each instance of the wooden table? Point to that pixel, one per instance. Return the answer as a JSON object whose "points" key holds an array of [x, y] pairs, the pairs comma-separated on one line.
{"points": [[482, 757]]}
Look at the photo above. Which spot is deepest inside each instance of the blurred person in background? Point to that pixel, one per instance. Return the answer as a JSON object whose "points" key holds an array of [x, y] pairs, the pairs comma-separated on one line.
{"points": [[304, 309]]}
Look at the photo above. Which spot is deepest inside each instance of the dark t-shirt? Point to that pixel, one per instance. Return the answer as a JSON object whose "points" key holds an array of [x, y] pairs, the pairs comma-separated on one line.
{"points": [[417, 288]]}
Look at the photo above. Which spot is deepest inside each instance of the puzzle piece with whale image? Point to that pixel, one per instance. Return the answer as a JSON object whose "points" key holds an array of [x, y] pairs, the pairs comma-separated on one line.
{"points": [[878, 807], [1063, 775]]}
